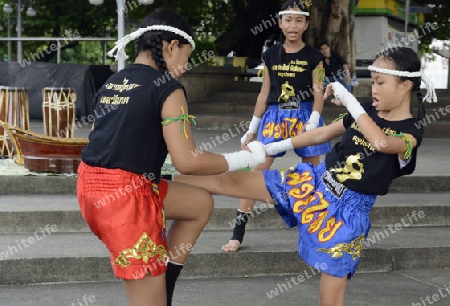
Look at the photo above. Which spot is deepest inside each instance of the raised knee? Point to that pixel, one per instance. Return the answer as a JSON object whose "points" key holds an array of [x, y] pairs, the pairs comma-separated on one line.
{"points": [[207, 204]]}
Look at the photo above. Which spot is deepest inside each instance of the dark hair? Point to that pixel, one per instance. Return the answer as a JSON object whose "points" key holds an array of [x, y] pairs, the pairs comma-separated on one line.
{"points": [[324, 43], [292, 4], [405, 59], [152, 40]]}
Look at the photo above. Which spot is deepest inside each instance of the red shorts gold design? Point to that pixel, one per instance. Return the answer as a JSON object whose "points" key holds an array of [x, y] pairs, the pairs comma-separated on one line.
{"points": [[126, 212]]}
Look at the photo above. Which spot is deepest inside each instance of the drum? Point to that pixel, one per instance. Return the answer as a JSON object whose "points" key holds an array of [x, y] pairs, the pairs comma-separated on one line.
{"points": [[58, 108], [14, 111]]}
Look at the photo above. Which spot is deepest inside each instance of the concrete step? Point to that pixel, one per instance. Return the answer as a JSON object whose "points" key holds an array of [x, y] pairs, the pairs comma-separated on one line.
{"points": [[225, 121], [227, 109], [254, 87], [329, 113], [23, 214], [247, 92], [62, 257], [60, 185], [403, 288]]}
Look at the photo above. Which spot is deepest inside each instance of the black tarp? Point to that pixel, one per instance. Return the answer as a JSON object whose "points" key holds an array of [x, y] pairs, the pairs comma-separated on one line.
{"points": [[85, 79]]}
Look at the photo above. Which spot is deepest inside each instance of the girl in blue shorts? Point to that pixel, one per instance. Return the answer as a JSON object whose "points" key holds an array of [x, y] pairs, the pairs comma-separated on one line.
{"points": [[290, 101], [330, 202]]}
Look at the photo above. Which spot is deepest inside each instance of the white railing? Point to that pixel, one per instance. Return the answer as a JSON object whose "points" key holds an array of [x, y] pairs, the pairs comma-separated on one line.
{"points": [[67, 40]]}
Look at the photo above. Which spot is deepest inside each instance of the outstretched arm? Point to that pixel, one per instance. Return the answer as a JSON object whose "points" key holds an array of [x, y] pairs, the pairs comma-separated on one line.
{"points": [[309, 138], [186, 157]]}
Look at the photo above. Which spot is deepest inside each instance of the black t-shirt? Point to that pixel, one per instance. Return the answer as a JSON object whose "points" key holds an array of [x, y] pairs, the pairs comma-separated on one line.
{"points": [[354, 163], [291, 79], [336, 66], [128, 131]]}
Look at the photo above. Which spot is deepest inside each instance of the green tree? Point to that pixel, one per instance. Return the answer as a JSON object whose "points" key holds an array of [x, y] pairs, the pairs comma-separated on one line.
{"points": [[61, 19], [440, 15]]}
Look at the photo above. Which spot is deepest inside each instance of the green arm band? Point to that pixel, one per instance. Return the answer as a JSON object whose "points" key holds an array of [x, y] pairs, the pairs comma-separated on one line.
{"points": [[339, 117], [408, 149], [260, 73], [183, 117], [319, 73]]}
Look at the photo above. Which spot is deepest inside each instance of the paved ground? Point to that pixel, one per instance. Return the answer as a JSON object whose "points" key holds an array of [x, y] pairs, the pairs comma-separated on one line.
{"points": [[412, 288]]}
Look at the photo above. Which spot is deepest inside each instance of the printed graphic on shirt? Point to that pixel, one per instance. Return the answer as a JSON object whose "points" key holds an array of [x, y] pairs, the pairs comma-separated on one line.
{"points": [[296, 69], [359, 165], [287, 91], [289, 71], [353, 169], [116, 99]]}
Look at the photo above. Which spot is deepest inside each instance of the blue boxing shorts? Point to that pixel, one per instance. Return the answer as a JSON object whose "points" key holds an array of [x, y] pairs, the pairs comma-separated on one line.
{"points": [[278, 124], [332, 220]]}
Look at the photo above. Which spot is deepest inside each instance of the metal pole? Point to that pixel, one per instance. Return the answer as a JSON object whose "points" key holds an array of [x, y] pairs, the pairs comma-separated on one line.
{"points": [[19, 32], [120, 28], [9, 36], [58, 53], [104, 52], [407, 9]]}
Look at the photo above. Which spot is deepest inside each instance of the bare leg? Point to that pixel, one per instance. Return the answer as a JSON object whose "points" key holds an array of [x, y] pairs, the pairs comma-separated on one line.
{"points": [[245, 205], [332, 290], [151, 290], [236, 184], [190, 208]]}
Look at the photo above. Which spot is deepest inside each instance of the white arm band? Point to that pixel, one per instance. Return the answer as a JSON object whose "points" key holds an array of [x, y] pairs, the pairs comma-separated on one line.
{"points": [[253, 128], [244, 158], [348, 100], [254, 125], [313, 121], [280, 146]]}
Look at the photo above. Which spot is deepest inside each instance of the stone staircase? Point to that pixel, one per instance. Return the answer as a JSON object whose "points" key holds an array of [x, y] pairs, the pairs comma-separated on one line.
{"points": [[226, 109], [45, 240], [45, 243]]}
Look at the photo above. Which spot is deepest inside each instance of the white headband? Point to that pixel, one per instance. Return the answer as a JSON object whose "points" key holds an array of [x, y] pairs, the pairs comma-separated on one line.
{"points": [[431, 93], [122, 43], [293, 12]]}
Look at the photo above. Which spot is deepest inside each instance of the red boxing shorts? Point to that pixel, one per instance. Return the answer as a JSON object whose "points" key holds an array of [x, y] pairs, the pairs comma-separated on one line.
{"points": [[126, 212]]}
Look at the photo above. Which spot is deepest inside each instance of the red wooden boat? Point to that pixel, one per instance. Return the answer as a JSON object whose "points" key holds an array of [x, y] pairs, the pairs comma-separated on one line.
{"points": [[38, 152]]}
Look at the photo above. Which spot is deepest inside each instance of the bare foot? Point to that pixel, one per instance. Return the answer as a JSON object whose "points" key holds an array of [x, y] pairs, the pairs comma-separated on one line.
{"points": [[231, 246]]}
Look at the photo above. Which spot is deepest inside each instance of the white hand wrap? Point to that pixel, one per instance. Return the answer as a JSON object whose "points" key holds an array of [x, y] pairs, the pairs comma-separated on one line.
{"points": [[313, 121], [348, 100], [274, 148], [253, 128], [245, 159]]}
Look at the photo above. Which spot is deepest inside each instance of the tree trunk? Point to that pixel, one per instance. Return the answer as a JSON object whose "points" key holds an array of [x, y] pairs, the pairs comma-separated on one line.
{"points": [[255, 22], [337, 29], [334, 22], [320, 13]]}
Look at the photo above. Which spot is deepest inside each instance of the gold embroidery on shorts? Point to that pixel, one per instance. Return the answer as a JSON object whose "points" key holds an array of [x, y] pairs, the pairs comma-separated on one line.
{"points": [[282, 175], [353, 248], [155, 188], [143, 249]]}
